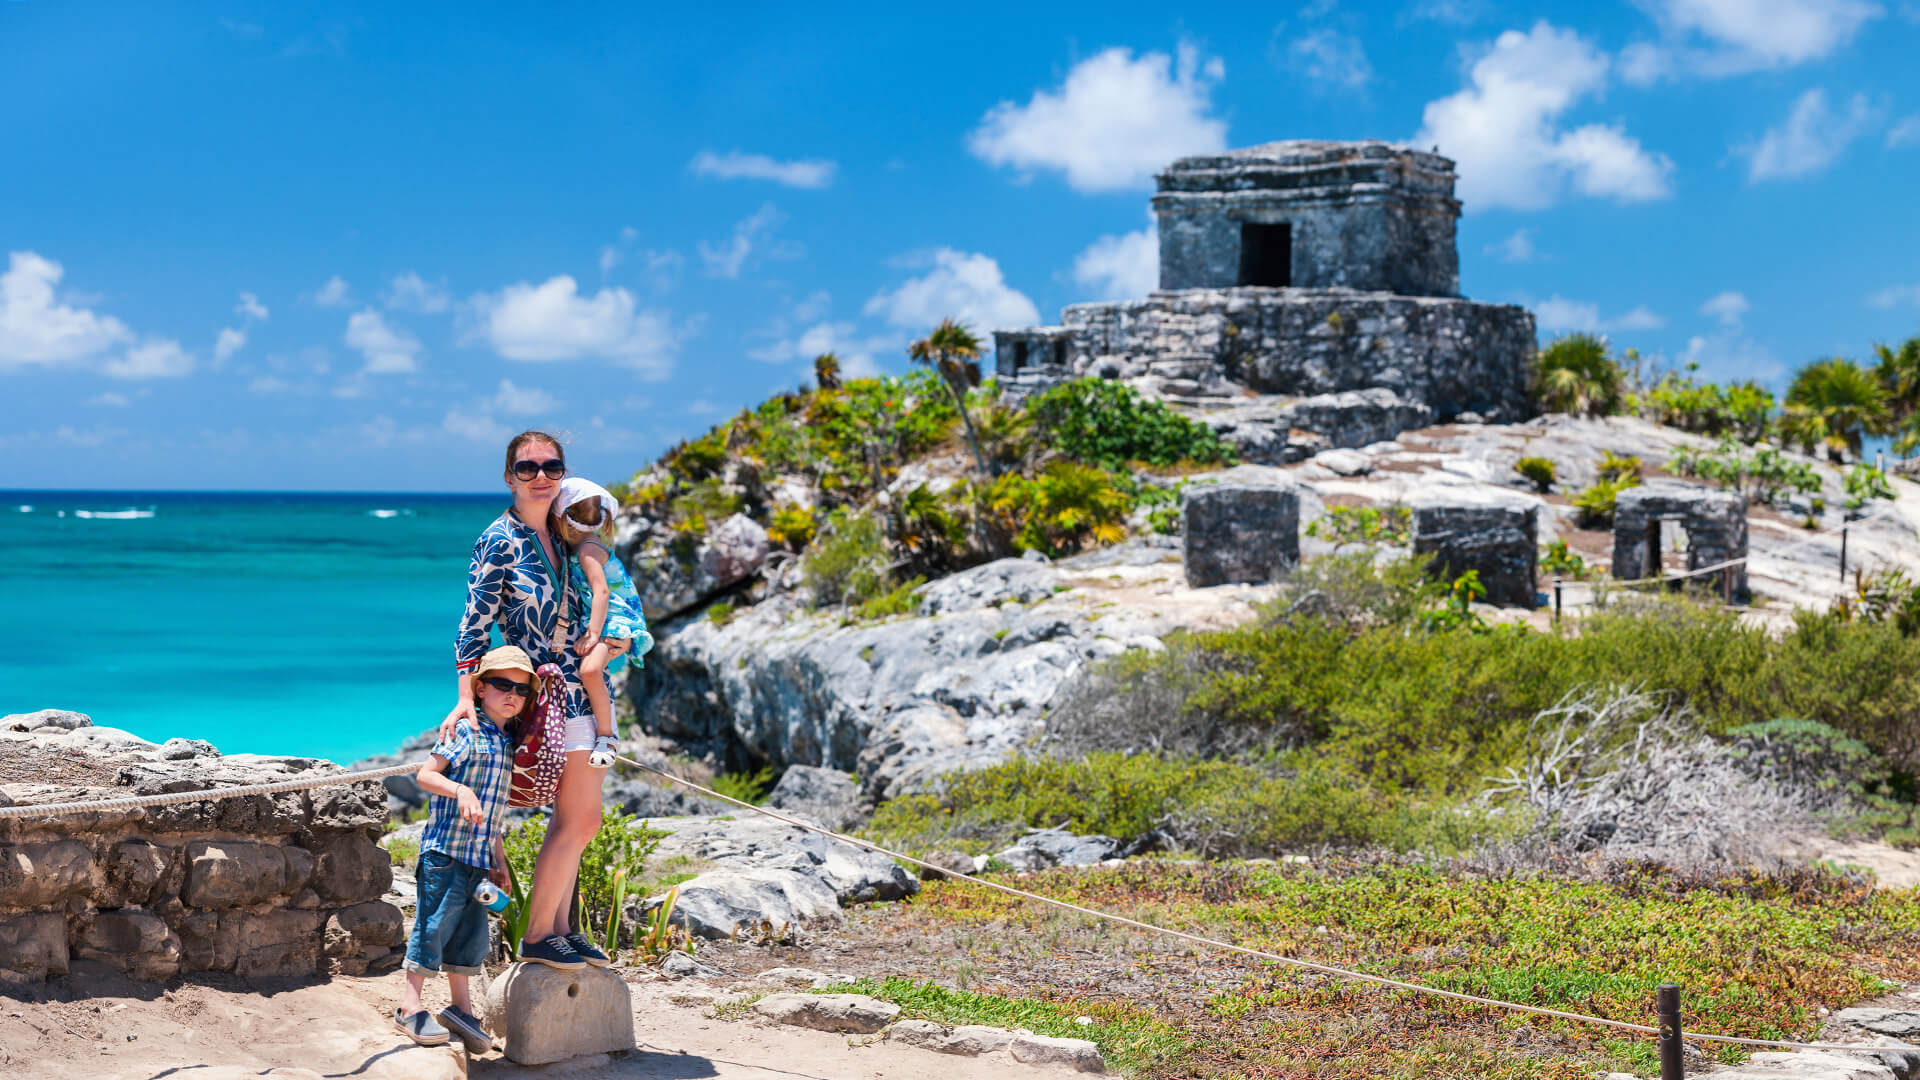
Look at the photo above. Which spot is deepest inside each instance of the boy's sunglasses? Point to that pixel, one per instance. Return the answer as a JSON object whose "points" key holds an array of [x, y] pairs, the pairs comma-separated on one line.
{"points": [[527, 470], [508, 686]]}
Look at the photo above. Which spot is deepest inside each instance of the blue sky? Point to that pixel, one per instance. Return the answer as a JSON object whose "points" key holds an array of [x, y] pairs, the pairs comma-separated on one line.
{"points": [[252, 248]]}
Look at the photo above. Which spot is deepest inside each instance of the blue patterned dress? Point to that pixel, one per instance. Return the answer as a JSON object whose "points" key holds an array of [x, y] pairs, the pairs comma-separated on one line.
{"points": [[624, 618], [510, 585]]}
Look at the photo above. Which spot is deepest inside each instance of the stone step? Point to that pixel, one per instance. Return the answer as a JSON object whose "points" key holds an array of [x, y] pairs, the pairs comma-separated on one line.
{"points": [[548, 1015]]}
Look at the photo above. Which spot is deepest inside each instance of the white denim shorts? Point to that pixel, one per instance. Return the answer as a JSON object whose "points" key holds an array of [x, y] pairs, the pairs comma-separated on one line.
{"points": [[580, 733]]}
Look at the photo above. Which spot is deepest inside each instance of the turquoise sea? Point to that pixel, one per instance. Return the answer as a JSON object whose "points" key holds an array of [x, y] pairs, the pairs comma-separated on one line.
{"points": [[309, 624]]}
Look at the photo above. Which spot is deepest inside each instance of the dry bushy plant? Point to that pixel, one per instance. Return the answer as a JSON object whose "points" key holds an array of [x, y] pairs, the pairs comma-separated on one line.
{"points": [[1619, 768], [1137, 703]]}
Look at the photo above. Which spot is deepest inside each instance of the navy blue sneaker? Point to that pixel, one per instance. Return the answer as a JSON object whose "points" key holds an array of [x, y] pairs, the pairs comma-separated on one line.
{"points": [[419, 1027], [467, 1026], [584, 946], [553, 951]]}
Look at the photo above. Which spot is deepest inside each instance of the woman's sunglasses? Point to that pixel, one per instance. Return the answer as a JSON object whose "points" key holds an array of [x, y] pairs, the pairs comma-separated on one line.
{"points": [[508, 686], [527, 470]]}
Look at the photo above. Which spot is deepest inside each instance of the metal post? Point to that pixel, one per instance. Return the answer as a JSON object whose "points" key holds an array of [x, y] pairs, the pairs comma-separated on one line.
{"points": [[1843, 553], [1726, 586], [1556, 599], [1672, 1064]]}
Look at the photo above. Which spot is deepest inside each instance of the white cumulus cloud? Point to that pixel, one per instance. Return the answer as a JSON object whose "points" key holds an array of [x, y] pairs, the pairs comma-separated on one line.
{"points": [[962, 285], [1905, 132], [1112, 123], [1120, 267], [156, 358], [1809, 139], [333, 294], [251, 308], [1326, 57], [554, 321], [1895, 296], [1517, 248], [1503, 128], [1729, 307], [1718, 38], [728, 261], [229, 342], [35, 328], [523, 400], [411, 292], [388, 350], [858, 353], [1557, 313], [734, 165]]}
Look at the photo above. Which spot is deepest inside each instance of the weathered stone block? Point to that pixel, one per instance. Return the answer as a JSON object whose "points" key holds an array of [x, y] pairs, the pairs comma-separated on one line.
{"points": [[1077, 1054], [33, 946], [42, 875], [136, 868], [277, 943], [350, 868], [134, 941], [352, 806], [1495, 535], [357, 936], [202, 947], [1245, 528], [224, 874], [63, 719], [854, 1014], [548, 1015], [1649, 518]]}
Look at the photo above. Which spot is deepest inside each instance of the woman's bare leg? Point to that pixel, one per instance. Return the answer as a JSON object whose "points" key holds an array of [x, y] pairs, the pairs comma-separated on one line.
{"points": [[576, 818]]}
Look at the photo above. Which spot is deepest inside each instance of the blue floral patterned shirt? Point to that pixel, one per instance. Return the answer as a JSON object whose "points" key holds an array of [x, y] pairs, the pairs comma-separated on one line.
{"points": [[509, 584], [480, 757]]}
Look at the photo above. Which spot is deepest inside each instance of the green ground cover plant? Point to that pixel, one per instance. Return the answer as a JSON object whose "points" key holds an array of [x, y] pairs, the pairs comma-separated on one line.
{"points": [[1538, 471], [1391, 525], [1758, 955]]}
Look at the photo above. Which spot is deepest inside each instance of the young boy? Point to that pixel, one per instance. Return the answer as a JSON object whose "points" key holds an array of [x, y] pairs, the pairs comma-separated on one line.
{"points": [[461, 846]]}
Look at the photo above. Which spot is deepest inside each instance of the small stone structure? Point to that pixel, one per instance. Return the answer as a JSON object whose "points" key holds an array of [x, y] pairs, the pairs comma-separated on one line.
{"points": [[1714, 524], [285, 884], [1492, 534], [548, 1015], [1291, 270], [1243, 528]]}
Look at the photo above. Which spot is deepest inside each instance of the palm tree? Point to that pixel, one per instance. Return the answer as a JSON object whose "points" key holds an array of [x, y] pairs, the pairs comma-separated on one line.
{"points": [[1899, 373], [1846, 397], [1574, 375], [954, 352], [826, 371]]}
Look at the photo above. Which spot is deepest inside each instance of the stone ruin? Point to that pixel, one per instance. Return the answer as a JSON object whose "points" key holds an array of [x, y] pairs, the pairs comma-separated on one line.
{"points": [[1293, 275], [1713, 524], [1241, 528], [1496, 535]]}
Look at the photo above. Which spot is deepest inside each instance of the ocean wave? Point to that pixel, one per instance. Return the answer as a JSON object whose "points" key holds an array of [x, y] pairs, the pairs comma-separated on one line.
{"points": [[389, 513], [128, 514], [25, 508]]}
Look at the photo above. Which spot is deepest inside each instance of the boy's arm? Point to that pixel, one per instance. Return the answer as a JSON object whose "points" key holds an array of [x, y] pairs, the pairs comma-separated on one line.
{"points": [[433, 780], [593, 564]]}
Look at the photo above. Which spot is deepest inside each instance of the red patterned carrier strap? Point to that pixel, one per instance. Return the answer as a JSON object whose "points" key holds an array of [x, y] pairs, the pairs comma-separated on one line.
{"points": [[541, 755]]}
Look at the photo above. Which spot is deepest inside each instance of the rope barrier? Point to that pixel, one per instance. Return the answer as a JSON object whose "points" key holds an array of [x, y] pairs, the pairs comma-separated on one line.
{"points": [[276, 787], [132, 802], [1326, 969], [1782, 553]]}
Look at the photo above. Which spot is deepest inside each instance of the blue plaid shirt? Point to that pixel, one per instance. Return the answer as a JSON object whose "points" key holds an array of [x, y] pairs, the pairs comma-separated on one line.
{"points": [[480, 757]]}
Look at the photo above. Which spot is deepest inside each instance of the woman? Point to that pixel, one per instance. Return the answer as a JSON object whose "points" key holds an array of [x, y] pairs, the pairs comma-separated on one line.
{"points": [[514, 582]]}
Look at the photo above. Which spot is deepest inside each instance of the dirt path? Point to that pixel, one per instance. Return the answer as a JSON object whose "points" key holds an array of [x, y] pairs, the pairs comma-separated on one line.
{"points": [[339, 1028]]}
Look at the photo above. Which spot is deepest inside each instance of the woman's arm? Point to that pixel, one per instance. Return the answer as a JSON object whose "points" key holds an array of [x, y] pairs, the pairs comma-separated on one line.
{"points": [[487, 577], [593, 564]]}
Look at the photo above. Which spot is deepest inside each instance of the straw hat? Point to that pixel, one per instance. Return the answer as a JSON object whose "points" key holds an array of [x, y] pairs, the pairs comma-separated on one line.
{"points": [[507, 658]]}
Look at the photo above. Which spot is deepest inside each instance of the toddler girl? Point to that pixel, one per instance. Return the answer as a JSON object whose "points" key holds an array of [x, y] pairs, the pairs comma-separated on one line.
{"points": [[606, 615]]}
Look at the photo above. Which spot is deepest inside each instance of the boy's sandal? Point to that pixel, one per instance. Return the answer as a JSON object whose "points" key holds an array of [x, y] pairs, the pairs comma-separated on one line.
{"points": [[421, 1027]]}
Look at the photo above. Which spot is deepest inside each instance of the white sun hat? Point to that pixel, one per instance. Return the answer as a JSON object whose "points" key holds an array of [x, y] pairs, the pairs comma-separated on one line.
{"points": [[578, 488]]}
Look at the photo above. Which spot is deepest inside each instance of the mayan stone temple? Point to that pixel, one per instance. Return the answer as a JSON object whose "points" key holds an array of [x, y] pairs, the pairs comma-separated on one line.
{"points": [[1309, 298]]}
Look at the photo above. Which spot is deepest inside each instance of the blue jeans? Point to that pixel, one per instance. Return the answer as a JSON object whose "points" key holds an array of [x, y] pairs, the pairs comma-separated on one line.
{"points": [[449, 925]]}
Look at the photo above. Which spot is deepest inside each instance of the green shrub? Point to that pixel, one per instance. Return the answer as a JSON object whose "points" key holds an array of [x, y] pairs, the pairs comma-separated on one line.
{"points": [[620, 849], [1538, 471], [1619, 469], [1392, 525], [720, 614], [896, 601], [1864, 484], [1762, 475], [747, 787], [1060, 510], [848, 563], [403, 850], [792, 525], [1740, 409], [1575, 375], [1596, 504], [1558, 560], [1107, 423]]}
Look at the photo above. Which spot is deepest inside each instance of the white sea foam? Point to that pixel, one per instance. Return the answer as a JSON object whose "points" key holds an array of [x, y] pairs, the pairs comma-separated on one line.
{"points": [[128, 514], [389, 513], [25, 508]]}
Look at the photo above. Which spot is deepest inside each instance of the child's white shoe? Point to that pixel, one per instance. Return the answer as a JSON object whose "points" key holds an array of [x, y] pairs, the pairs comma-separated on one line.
{"points": [[604, 748]]}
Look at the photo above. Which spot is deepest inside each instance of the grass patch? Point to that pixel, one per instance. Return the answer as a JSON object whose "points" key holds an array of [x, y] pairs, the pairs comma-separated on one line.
{"points": [[1757, 955], [1131, 1038], [403, 850]]}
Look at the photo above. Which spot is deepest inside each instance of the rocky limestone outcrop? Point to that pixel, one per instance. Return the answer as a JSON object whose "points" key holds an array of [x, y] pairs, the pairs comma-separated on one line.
{"points": [[285, 884]]}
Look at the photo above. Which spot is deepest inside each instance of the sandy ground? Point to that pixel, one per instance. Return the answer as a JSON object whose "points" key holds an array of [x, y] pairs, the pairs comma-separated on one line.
{"points": [[103, 1025]]}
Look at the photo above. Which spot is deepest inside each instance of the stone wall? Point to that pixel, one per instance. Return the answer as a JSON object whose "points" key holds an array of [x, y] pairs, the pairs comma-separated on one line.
{"points": [[1496, 536], [285, 884], [1715, 523], [1454, 356]]}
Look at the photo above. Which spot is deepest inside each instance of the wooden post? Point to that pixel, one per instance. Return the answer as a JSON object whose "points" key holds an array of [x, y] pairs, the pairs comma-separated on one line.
{"points": [[1556, 599], [1672, 1063], [1726, 586], [1843, 553]]}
